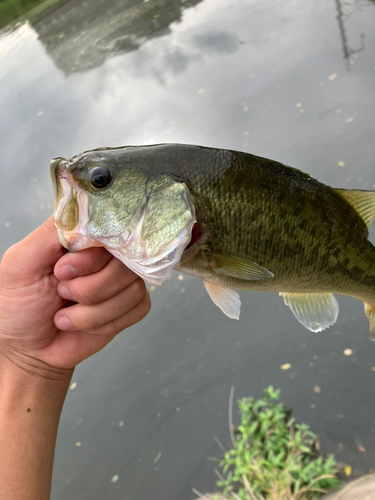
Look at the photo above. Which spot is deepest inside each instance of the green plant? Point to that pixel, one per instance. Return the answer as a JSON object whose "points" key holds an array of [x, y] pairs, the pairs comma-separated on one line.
{"points": [[274, 458], [11, 10]]}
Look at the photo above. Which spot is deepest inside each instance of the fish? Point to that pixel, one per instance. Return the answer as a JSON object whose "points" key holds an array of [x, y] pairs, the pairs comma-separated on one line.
{"points": [[235, 220]]}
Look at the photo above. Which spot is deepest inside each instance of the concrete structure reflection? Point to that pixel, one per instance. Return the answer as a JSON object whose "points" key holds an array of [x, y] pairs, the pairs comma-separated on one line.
{"points": [[81, 35]]}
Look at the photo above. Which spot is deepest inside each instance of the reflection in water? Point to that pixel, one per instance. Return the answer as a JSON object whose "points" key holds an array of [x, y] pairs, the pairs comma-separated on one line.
{"points": [[344, 41], [81, 35], [217, 42], [267, 98]]}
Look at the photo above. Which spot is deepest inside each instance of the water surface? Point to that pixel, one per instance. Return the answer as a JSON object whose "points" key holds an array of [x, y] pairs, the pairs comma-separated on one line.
{"points": [[293, 81]]}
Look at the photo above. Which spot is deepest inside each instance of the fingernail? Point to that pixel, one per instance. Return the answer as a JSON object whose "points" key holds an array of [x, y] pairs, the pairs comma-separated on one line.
{"points": [[65, 272], [63, 323], [65, 293]]}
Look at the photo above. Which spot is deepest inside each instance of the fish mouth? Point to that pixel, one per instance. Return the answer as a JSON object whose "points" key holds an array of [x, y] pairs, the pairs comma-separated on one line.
{"points": [[71, 208]]}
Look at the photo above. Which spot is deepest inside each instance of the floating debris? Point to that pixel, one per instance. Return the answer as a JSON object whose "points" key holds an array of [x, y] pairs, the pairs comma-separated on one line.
{"points": [[349, 120], [121, 424], [78, 444], [245, 108], [39, 113], [373, 368], [287, 366], [152, 288], [333, 76], [341, 163], [201, 91], [313, 407], [361, 448], [299, 105], [246, 132], [348, 352], [348, 470], [157, 458], [180, 277], [115, 478], [7, 224], [338, 111], [73, 386], [317, 389]]}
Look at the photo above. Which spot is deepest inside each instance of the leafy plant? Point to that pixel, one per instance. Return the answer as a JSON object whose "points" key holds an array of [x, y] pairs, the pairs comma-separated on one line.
{"points": [[273, 457]]}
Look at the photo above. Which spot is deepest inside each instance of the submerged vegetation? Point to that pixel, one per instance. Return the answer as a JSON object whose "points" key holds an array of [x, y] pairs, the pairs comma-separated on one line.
{"points": [[273, 458]]}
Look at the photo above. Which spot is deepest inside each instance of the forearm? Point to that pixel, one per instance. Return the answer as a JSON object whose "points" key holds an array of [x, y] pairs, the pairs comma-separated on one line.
{"points": [[31, 399]]}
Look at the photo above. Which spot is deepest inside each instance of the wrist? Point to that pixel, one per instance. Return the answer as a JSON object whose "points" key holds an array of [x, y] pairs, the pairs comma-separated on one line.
{"points": [[32, 395], [29, 366], [25, 377]]}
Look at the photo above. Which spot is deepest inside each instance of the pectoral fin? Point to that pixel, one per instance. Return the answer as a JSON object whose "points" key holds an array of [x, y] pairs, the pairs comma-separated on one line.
{"points": [[238, 268], [315, 311], [226, 299], [362, 201]]}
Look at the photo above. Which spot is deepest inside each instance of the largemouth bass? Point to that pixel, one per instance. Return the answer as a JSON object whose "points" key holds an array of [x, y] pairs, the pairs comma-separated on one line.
{"points": [[237, 221]]}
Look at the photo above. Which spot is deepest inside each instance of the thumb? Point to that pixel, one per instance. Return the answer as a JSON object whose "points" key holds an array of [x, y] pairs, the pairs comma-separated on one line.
{"points": [[35, 256]]}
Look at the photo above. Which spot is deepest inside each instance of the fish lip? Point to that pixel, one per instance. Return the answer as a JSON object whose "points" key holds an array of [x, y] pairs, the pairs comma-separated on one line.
{"points": [[56, 165], [53, 166], [53, 170], [64, 187]]}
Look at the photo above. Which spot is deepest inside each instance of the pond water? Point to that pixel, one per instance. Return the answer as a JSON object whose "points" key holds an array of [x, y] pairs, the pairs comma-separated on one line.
{"points": [[289, 80]]}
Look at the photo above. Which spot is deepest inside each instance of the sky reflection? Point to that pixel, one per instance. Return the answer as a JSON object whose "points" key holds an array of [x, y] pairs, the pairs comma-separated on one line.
{"points": [[282, 79]]}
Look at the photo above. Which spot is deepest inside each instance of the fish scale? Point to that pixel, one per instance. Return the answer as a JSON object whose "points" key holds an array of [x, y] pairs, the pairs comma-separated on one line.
{"points": [[259, 225]]}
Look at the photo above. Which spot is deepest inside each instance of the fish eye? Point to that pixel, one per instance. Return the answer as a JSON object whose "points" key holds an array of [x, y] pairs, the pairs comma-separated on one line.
{"points": [[100, 177]]}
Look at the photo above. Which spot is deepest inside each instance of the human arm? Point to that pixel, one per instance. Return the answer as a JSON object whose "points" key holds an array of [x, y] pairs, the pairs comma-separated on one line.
{"points": [[38, 352]]}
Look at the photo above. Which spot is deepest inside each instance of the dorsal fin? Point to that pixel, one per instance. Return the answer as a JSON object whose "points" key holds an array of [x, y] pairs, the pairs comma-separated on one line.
{"points": [[362, 201]]}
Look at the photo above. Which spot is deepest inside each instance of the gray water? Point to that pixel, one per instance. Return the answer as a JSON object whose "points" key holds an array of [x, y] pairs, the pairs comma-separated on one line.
{"points": [[289, 80]]}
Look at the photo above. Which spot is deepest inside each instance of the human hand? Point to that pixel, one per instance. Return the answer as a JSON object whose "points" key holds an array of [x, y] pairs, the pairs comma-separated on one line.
{"points": [[39, 282]]}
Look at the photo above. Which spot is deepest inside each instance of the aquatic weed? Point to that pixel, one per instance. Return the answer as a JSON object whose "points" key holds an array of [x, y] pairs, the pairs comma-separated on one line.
{"points": [[273, 457]]}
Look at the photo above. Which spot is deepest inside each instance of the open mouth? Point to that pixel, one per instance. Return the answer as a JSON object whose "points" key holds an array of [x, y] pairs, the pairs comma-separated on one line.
{"points": [[71, 208], [66, 207]]}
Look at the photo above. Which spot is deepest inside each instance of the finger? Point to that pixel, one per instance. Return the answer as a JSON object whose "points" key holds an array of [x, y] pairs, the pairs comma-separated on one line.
{"points": [[72, 347], [82, 263], [98, 287], [85, 317], [36, 255], [112, 328]]}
